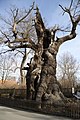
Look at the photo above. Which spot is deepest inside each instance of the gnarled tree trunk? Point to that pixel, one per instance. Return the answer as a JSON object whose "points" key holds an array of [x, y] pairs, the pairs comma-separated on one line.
{"points": [[42, 78]]}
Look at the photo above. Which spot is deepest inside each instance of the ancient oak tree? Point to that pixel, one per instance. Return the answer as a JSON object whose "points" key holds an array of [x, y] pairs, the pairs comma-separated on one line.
{"points": [[68, 70], [41, 79]]}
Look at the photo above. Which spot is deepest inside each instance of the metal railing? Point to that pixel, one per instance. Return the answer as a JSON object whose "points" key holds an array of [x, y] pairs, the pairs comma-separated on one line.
{"points": [[71, 109]]}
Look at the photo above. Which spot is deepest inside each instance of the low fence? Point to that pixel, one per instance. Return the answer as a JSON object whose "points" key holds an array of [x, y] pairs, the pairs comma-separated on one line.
{"points": [[16, 93], [22, 92], [71, 110], [16, 98]]}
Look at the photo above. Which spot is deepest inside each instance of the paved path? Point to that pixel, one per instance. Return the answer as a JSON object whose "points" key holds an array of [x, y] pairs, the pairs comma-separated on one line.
{"points": [[12, 114]]}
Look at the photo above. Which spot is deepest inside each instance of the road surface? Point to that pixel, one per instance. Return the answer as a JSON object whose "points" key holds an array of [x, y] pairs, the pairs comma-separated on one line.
{"points": [[12, 114]]}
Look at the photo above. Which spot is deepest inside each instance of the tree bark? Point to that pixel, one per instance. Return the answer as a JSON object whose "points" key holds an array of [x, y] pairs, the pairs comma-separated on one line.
{"points": [[43, 68], [22, 65], [48, 75]]}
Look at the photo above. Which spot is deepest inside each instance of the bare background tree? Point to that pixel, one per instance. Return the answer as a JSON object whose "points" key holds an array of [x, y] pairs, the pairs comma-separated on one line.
{"points": [[24, 55], [7, 66], [68, 70], [19, 35]]}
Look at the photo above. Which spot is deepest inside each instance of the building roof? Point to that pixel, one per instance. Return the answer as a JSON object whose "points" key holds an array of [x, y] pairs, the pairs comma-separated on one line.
{"points": [[9, 84]]}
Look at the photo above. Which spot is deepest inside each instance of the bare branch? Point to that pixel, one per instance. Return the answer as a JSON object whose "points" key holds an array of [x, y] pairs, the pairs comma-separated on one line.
{"points": [[21, 40], [67, 37], [16, 22], [7, 22], [66, 10], [7, 51], [26, 14], [62, 7], [74, 21], [18, 51], [6, 36], [71, 4], [21, 46]]}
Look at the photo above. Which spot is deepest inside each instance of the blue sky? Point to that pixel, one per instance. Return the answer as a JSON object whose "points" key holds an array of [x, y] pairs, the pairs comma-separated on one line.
{"points": [[51, 11]]}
